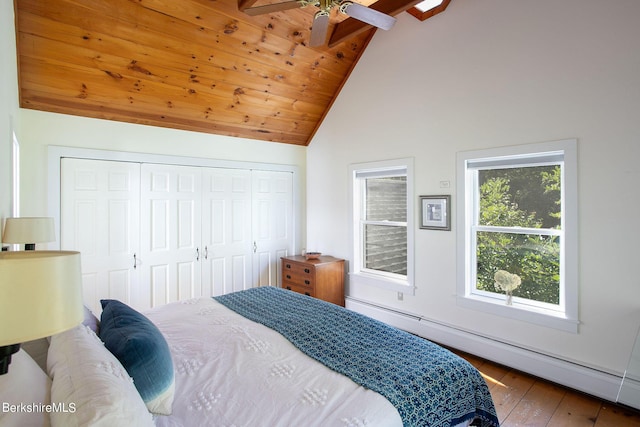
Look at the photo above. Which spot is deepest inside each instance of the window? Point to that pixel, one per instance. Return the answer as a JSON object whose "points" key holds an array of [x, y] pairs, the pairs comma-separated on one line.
{"points": [[519, 243], [382, 223]]}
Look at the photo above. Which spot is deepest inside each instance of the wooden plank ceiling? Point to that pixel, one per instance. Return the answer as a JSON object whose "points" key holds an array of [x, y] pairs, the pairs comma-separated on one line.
{"points": [[198, 65]]}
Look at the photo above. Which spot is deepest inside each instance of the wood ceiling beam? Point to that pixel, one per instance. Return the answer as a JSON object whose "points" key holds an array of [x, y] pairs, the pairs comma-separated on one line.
{"points": [[351, 26], [245, 4]]}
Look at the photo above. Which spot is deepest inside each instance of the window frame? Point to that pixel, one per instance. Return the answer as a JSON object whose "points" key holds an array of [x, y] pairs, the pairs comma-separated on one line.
{"points": [[358, 273], [565, 315]]}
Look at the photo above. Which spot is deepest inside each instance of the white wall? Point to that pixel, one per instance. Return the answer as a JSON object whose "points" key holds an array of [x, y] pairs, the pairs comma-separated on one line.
{"points": [[494, 73], [8, 104]]}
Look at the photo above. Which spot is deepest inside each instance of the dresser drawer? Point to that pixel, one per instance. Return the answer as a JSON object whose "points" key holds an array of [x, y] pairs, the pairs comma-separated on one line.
{"points": [[296, 278], [297, 268], [305, 290]]}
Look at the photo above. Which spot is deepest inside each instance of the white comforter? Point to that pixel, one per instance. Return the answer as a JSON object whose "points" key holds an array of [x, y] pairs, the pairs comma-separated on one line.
{"points": [[231, 371]]}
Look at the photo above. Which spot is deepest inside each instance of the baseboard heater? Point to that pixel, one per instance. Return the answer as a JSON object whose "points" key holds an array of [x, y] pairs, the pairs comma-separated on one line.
{"points": [[569, 374]]}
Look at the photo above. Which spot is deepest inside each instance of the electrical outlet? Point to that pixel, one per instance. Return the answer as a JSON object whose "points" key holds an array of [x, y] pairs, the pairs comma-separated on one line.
{"points": [[445, 184]]}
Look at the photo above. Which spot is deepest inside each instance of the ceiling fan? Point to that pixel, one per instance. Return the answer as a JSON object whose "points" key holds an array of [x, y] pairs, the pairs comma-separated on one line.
{"points": [[321, 18]]}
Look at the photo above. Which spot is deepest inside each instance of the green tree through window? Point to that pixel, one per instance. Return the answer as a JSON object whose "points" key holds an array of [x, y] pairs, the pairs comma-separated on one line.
{"points": [[519, 209]]}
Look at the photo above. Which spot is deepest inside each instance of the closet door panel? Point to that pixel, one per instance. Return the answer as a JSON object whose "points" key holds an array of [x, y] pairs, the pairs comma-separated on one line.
{"points": [[100, 218], [265, 266], [158, 282], [214, 277], [241, 274], [216, 221], [159, 222], [119, 284], [226, 230], [171, 243], [272, 199], [83, 233], [188, 279]]}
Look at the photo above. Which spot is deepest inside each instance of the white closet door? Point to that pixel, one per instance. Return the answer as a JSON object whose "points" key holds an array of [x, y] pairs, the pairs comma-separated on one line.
{"points": [[272, 198], [99, 212], [226, 230], [169, 260]]}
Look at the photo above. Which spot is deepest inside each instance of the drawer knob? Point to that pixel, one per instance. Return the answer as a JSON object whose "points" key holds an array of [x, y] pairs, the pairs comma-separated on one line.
{"points": [[287, 266], [307, 282], [306, 270], [289, 287], [289, 276], [307, 294]]}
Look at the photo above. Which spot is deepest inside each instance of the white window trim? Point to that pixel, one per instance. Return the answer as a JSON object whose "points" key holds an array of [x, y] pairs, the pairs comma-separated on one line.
{"points": [[366, 277], [566, 320]]}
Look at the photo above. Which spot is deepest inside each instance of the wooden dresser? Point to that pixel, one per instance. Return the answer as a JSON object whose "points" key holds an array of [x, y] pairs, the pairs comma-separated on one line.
{"points": [[321, 278]]}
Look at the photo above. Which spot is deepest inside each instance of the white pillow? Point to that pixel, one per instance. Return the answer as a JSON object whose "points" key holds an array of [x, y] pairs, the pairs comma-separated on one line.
{"points": [[38, 350], [92, 383], [24, 393], [91, 320]]}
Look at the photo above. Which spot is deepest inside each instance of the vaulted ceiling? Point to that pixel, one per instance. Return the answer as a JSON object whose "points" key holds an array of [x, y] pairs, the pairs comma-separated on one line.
{"points": [[199, 65]]}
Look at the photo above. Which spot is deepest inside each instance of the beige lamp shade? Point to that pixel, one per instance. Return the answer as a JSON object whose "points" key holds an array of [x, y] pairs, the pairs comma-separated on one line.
{"points": [[40, 294], [29, 230]]}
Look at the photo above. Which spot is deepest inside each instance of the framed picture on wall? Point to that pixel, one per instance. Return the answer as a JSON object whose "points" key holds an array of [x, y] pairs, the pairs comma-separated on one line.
{"points": [[435, 212]]}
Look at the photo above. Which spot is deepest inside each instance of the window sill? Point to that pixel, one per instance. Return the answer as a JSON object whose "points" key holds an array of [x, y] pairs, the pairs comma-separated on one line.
{"points": [[382, 282], [516, 311]]}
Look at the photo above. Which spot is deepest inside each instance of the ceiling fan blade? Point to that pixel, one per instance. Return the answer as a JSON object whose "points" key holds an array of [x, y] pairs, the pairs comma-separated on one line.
{"points": [[319, 29], [368, 15], [275, 7]]}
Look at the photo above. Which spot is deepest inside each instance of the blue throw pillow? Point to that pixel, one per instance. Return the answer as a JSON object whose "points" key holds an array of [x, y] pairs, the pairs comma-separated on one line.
{"points": [[143, 352]]}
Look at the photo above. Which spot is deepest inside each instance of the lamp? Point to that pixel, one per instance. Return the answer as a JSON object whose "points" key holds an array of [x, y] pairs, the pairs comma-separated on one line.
{"points": [[40, 295], [29, 230]]}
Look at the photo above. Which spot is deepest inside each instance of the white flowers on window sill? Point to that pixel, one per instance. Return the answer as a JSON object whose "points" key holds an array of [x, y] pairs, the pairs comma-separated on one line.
{"points": [[508, 283]]}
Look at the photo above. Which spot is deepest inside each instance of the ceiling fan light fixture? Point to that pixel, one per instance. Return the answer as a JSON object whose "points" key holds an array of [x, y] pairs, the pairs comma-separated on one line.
{"points": [[320, 26]]}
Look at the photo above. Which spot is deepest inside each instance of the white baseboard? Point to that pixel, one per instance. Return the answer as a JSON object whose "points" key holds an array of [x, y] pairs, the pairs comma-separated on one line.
{"points": [[588, 380], [630, 393]]}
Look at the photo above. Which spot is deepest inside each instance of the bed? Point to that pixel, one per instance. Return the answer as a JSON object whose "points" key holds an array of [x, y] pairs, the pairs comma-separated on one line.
{"points": [[260, 357]]}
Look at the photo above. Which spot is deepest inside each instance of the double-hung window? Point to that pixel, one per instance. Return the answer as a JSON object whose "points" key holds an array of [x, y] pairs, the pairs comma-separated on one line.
{"points": [[518, 232], [382, 224]]}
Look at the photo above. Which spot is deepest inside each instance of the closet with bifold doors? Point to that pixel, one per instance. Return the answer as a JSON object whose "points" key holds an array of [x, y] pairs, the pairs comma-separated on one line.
{"points": [[150, 233]]}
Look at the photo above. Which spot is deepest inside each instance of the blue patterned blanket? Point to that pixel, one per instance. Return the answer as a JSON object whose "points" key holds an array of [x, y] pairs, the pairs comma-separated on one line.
{"points": [[429, 385]]}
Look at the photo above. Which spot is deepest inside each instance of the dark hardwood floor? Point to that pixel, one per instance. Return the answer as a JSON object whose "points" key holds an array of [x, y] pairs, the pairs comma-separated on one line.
{"points": [[524, 400]]}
